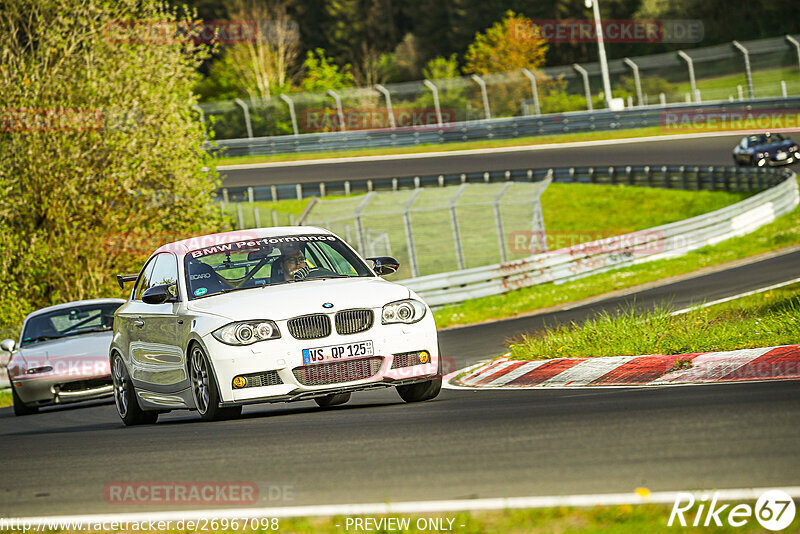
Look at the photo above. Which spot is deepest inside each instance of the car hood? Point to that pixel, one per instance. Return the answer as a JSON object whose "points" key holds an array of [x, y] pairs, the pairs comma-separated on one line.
{"points": [[290, 300], [88, 350]]}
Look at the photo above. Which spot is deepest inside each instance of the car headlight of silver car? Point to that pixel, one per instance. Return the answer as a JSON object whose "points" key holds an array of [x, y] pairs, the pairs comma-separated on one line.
{"points": [[247, 332], [403, 311]]}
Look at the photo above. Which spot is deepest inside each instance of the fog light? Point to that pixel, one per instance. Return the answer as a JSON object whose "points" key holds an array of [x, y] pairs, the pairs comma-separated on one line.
{"points": [[239, 382], [424, 357]]}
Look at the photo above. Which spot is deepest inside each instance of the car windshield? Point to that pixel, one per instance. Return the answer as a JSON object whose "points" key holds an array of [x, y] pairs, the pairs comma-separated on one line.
{"points": [[763, 139], [69, 322], [269, 261]]}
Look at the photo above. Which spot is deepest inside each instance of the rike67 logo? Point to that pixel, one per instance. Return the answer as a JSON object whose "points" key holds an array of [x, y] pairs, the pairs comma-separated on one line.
{"points": [[774, 510]]}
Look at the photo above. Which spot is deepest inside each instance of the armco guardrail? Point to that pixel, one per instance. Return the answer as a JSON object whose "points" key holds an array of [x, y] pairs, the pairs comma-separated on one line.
{"points": [[690, 177], [504, 128], [599, 256]]}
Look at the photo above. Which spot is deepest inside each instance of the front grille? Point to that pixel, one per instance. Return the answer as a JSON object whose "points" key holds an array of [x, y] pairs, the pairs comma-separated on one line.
{"points": [[354, 321], [336, 372], [310, 326], [83, 385], [264, 378], [408, 359]]}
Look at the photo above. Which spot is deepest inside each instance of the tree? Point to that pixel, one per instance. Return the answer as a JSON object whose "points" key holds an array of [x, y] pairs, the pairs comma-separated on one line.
{"points": [[101, 154], [321, 73], [263, 63], [510, 44]]}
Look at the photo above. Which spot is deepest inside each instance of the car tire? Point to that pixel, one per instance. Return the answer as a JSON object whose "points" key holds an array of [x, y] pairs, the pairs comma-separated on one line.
{"points": [[332, 400], [421, 391], [125, 400], [204, 388], [20, 408]]}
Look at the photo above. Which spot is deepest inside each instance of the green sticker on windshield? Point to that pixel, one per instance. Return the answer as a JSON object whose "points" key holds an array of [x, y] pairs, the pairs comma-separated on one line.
{"points": [[200, 291]]}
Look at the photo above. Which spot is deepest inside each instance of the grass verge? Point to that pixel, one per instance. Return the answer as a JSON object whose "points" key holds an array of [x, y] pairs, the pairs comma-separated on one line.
{"points": [[781, 233], [5, 398], [650, 518], [761, 320]]}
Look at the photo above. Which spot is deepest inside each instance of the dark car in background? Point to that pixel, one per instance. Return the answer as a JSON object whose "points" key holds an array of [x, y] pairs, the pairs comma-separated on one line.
{"points": [[761, 150]]}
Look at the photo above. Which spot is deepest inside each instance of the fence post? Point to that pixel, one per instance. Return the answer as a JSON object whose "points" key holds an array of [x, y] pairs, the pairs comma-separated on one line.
{"points": [[538, 215], [747, 72], [273, 190], [796, 45], [637, 81], [290, 103], [667, 184], [362, 243], [412, 252], [454, 224], [339, 109], [299, 190], [586, 87], [741, 93], [687, 58], [347, 188], [239, 213], [225, 198], [534, 91], [250, 195], [429, 84], [648, 176], [662, 98], [486, 111], [385, 92], [246, 112], [783, 89], [498, 220], [257, 216], [322, 189]]}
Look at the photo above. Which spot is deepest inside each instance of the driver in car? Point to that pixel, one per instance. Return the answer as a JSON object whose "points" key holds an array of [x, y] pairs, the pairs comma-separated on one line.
{"points": [[294, 265]]}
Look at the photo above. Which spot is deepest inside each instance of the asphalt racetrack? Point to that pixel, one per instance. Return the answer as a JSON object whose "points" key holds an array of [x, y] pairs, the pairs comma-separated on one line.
{"points": [[704, 150], [464, 444]]}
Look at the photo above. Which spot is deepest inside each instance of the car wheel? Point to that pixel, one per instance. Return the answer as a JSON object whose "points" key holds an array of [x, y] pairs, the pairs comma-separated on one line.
{"points": [[128, 407], [332, 400], [20, 408], [204, 388]]}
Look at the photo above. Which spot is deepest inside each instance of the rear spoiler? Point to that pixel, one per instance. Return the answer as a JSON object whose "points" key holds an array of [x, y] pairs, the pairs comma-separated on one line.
{"points": [[122, 278]]}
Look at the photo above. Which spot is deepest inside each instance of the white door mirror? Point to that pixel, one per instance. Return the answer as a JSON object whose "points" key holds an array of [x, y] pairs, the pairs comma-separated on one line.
{"points": [[7, 345]]}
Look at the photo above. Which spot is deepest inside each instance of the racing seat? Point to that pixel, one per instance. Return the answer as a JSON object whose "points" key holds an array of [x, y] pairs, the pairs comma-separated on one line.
{"points": [[202, 275]]}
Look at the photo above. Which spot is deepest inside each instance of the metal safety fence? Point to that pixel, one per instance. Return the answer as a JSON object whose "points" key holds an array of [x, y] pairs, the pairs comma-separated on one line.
{"points": [[689, 177], [672, 118], [614, 252], [765, 68]]}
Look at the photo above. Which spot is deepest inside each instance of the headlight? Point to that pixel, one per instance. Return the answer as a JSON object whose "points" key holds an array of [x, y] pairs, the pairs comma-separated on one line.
{"points": [[403, 311], [247, 332], [793, 148]]}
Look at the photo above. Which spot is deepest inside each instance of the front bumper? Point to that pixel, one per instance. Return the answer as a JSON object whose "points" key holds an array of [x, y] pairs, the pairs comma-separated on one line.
{"points": [[51, 390], [283, 356]]}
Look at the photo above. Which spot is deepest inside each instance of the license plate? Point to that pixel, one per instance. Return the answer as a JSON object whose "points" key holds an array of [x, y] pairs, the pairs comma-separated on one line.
{"points": [[781, 155], [337, 352]]}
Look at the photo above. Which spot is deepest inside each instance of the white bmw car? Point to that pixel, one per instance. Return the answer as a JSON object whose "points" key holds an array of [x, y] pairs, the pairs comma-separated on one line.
{"points": [[266, 315]]}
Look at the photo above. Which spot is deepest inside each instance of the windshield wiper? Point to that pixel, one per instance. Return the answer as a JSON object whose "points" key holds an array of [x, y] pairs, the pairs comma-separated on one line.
{"points": [[89, 330]]}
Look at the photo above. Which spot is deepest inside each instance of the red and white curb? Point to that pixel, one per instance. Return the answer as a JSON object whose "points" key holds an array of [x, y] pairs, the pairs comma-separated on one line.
{"points": [[746, 365]]}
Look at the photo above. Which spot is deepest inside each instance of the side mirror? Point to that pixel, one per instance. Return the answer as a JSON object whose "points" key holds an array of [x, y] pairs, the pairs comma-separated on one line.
{"points": [[384, 265], [7, 345], [160, 294]]}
